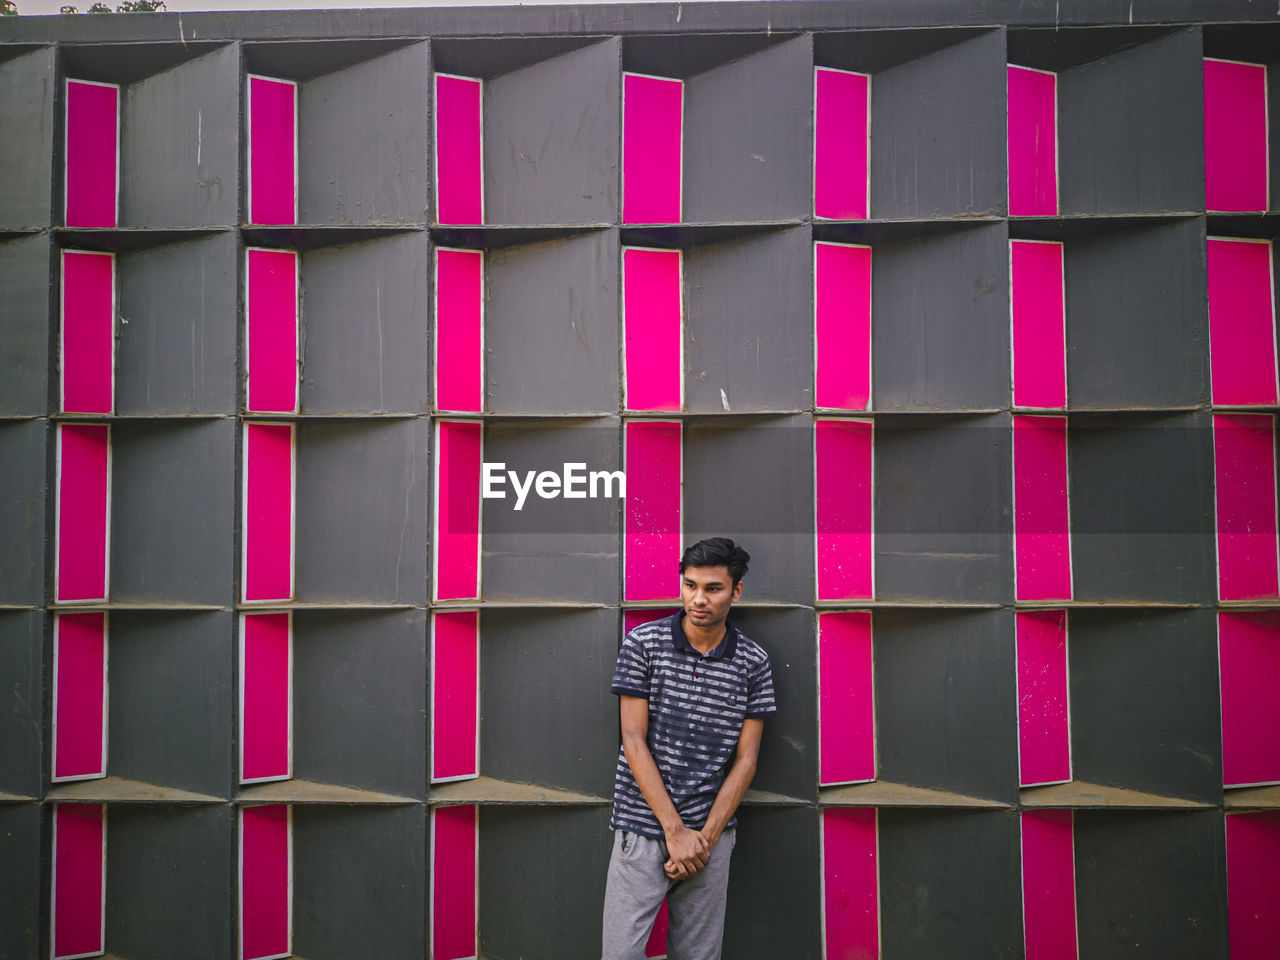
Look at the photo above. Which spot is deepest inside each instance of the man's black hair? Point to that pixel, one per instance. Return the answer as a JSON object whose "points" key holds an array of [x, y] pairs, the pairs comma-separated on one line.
{"points": [[716, 552]]}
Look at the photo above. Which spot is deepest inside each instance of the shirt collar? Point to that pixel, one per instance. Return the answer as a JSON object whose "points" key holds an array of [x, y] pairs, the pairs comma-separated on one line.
{"points": [[723, 650]]}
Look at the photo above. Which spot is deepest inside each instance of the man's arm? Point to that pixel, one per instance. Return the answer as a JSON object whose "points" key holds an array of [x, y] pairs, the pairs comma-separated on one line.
{"points": [[735, 784], [687, 848]]}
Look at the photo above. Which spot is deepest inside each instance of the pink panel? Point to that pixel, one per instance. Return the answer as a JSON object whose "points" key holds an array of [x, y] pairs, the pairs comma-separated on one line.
{"points": [[453, 883], [1033, 143], [266, 870], [850, 884], [842, 326], [84, 478], [652, 550], [272, 318], [88, 331], [1253, 885], [1044, 731], [634, 618], [273, 151], [842, 474], [1235, 136], [93, 154], [653, 328], [1042, 537], [1249, 660], [457, 573], [657, 944], [79, 879], [846, 698], [1245, 467], [841, 144], [459, 330], [80, 695], [1049, 885], [1242, 323], [459, 163], [455, 695], [652, 134], [268, 512], [1038, 308], [264, 697]]}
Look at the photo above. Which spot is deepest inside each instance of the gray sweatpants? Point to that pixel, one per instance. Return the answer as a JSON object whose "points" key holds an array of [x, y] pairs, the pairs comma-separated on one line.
{"points": [[634, 895]]}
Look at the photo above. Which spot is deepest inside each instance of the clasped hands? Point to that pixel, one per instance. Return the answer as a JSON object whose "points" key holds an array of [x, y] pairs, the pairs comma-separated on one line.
{"points": [[688, 851]]}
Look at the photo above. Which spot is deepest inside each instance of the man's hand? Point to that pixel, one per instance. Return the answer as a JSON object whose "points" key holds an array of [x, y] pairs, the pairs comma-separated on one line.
{"points": [[688, 851]]}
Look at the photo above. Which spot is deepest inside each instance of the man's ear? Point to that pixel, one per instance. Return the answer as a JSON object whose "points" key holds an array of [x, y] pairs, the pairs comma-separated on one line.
{"points": [[737, 592]]}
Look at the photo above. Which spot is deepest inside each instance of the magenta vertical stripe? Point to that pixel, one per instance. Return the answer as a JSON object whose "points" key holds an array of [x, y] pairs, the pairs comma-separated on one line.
{"points": [[652, 324], [1042, 537], [459, 330], [93, 154], [1038, 307], [1235, 136], [273, 186], [841, 131], [842, 326], [1044, 732], [459, 162], [846, 698], [1033, 143], [272, 316], [1245, 469], [458, 447], [453, 883], [264, 881], [843, 484], [1242, 323], [1253, 885], [84, 463], [268, 512], [88, 331], [1249, 658], [850, 883], [1049, 885], [78, 877], [264, 696], [657, 943], [652, 132], [79, 692], [653, 466], [455, 695]]}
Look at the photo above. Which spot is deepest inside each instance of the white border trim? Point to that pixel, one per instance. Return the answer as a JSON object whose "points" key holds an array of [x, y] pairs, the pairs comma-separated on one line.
{"points": [[813, 169], [435, 516], [244, 510], [680, 336], [297, 328], [845, 411], [53, 889], [288, 775], [288, 883], [434, 752], [875, 753], [431, 886], [435, 329], [53, 763], [1266, 133], [57, 522], [853, 602], [822, 875], [1017, 688], [62, 332], [679, 155], [1271, 282], [248, 139], [1017, 408], [66, 129], [435, 139], [1057, 152], [626, 529], [1013, 499]]}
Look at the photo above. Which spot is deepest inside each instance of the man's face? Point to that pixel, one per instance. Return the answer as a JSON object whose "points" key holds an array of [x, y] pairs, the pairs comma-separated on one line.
{"points": [[707, 593]]}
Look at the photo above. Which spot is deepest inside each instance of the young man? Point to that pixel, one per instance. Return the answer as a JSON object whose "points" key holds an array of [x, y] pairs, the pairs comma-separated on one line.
{"points": [[694, 693]]}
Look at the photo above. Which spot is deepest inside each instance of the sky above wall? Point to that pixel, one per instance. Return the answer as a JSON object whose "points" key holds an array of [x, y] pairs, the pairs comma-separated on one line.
{"points": [[46, 7]]}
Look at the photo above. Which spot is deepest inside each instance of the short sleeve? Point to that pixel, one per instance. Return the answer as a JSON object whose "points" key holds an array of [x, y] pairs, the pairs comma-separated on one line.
{"points": [[760, 691], [631, 675]]}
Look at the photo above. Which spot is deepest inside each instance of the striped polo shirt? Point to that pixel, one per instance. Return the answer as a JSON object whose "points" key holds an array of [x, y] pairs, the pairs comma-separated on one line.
{"points": [[697, 703]]}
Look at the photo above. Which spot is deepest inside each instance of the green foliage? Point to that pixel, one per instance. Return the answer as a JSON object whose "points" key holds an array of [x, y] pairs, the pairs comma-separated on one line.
{"points": [[99, 7], [141, 6], [68, 8], [8, 8]]}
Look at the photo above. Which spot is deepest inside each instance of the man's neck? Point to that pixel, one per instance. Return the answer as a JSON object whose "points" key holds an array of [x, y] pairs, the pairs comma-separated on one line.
{"points": [[703, 639]]}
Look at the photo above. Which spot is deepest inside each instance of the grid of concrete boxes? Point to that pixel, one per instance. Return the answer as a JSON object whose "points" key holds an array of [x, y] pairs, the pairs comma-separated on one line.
{"points": [[1149, 850]]}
